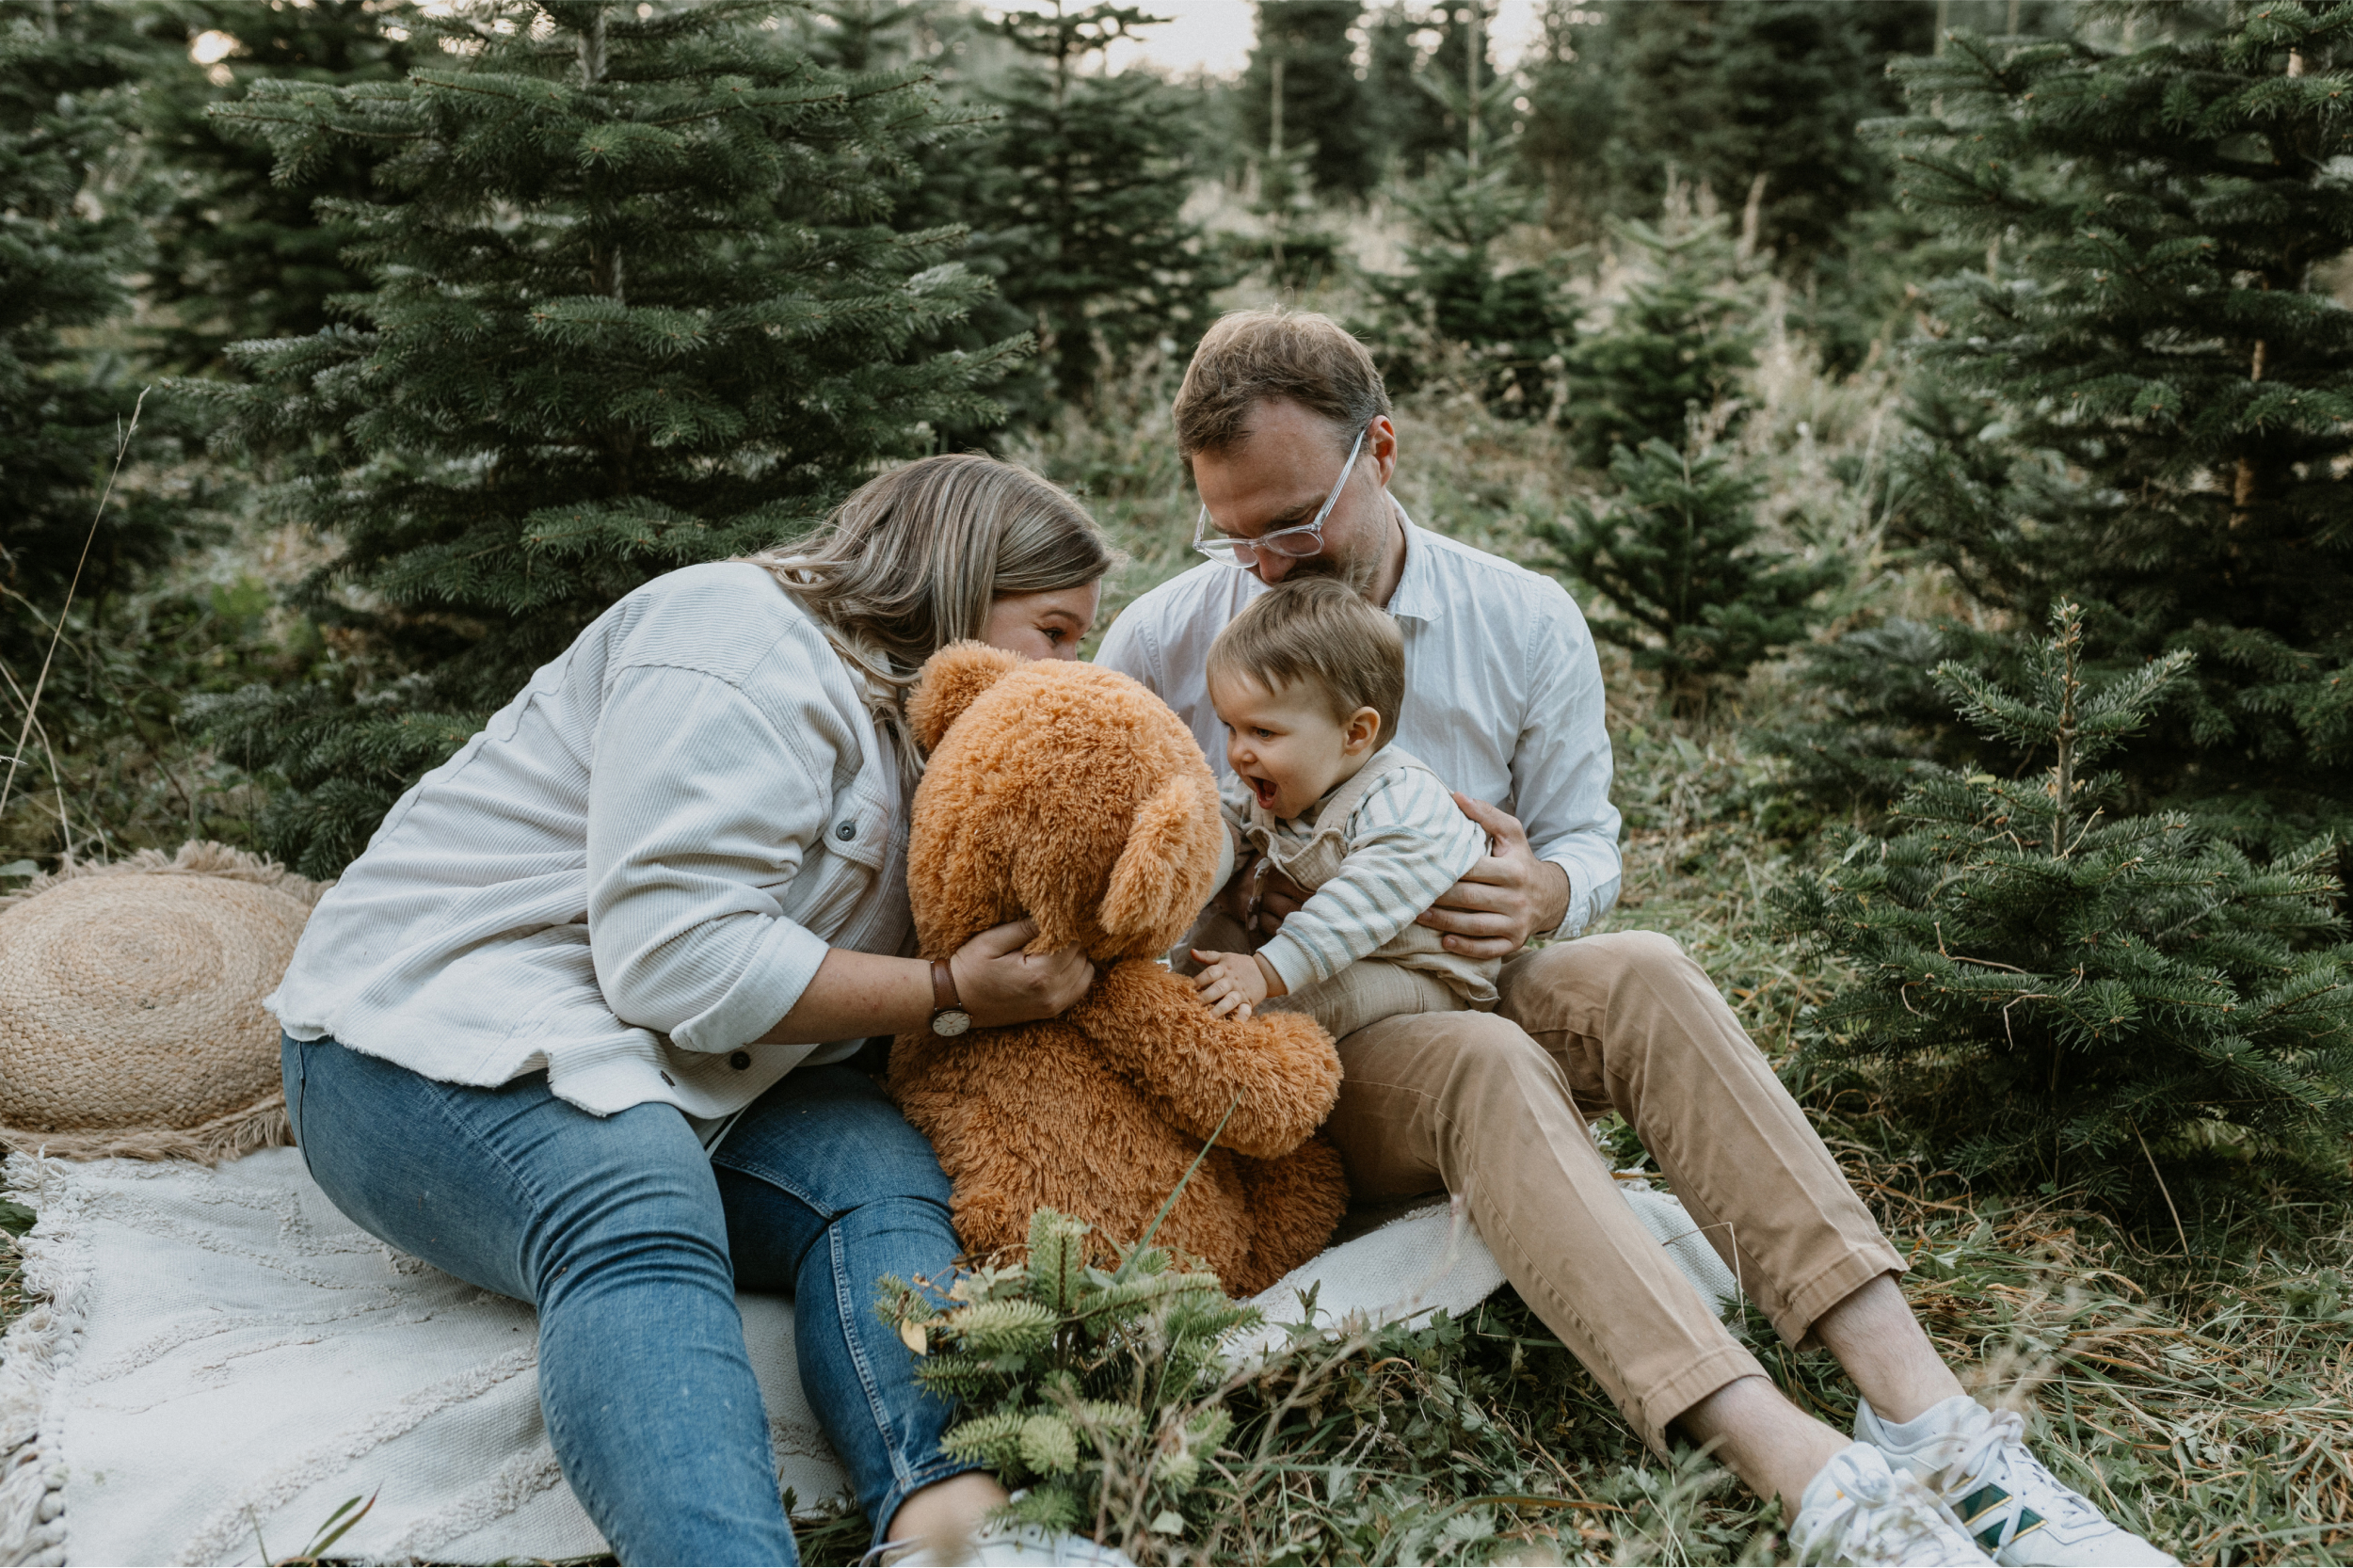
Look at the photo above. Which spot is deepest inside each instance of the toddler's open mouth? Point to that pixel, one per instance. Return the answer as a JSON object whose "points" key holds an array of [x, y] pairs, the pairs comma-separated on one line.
{"points": [[1263, 789]]}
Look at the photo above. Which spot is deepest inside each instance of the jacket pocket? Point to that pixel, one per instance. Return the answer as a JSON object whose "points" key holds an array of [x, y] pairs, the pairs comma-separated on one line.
{"points": [[840, 874]]}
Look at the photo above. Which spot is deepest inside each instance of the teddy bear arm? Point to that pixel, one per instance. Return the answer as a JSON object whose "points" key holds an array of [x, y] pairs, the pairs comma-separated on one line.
{"points": [[1276, 1074]]}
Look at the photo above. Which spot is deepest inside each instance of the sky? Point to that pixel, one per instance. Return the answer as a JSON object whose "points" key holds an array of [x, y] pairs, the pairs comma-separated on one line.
{"points": [[1214, 34]]}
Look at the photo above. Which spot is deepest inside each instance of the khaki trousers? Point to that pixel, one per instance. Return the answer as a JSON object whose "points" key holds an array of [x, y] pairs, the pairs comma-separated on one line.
{"points": [[1494, 1106]]}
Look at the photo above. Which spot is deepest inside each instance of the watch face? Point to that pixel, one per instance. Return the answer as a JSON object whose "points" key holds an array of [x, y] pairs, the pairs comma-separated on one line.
{"points": [[951, 1022]]}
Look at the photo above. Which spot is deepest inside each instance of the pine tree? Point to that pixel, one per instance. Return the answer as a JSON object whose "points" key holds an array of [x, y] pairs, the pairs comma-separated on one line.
{"points": [[1415, 45], [1300, 91], [1675, 550], [70, 230], [636, 305], [238, 255], [2122, 1004], [2168, 379], [1458, 294], [864, 35], [1298, 79], [1673, 347], [1094, 1390], [1082, 184]]}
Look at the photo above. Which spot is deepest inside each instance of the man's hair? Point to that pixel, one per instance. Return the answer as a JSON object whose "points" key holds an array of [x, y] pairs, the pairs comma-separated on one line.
{"points": [[1250, 356], [1319, 630]]}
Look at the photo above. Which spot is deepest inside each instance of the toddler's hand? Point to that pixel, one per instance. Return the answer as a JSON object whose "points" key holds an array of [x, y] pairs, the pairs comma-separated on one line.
{"points": [[1231, 982]]}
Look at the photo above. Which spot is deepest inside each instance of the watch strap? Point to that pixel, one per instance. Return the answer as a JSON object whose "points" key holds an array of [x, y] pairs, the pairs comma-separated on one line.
{"points": [[943, 987]]}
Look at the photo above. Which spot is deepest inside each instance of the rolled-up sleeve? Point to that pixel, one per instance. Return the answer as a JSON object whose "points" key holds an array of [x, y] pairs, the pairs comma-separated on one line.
{"points": [[700, 814], [1561, 766]]}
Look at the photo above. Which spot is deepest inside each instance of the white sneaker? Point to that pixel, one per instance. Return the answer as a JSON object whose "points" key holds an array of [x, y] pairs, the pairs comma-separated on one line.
{"points": [[1976, 1461], [1005, 1546], [1859, 1512]]}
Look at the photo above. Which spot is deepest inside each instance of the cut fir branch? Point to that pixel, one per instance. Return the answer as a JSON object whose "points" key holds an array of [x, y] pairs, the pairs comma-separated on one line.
{"points": [[2120, 1004], [636, 303], [1097, 1391]]}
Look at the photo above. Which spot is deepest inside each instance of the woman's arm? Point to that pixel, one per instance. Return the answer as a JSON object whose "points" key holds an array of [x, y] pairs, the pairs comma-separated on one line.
{"points": [[862, 993]]}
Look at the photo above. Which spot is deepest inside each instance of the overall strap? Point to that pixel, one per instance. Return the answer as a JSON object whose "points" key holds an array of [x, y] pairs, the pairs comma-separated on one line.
{"points": [[1344, 800]]}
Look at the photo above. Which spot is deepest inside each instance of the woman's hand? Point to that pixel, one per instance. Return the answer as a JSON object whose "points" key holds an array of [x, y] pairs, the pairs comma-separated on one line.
{"points": [[998, 984]]}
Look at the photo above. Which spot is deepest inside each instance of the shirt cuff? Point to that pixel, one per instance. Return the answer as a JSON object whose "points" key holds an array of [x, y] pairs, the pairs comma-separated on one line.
{"points": [[1291, 960], [762, 996]]}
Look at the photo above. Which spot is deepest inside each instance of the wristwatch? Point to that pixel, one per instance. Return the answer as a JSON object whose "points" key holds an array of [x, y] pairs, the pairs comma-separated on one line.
{"points": [[948, 1019]]}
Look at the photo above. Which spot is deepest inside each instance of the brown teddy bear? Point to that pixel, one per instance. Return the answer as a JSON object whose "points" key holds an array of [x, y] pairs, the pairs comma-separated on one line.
{"points": [[1073, 795]]}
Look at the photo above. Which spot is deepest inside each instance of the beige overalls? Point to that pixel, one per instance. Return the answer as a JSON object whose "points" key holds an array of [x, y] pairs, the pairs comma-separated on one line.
{"points": [[1411, 972]]}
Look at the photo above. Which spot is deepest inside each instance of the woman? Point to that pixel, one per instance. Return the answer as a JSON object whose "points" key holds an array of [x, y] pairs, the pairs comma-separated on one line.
{"points": [[573, 1028]]}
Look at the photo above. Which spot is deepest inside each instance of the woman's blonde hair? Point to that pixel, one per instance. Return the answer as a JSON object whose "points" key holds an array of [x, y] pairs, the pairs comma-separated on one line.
{"points": [[912, 561]]}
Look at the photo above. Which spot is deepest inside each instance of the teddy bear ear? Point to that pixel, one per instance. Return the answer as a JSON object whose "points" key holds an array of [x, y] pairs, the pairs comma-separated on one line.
{"points": [[1162, 876], [948, 683]]}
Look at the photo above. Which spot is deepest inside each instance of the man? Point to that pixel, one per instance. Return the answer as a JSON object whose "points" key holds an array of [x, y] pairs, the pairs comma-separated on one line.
{"points": [[1504, 700]]}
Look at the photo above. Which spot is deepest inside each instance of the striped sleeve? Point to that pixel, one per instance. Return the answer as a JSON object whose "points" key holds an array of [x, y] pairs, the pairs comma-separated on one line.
{"points": [[1408, 842]]}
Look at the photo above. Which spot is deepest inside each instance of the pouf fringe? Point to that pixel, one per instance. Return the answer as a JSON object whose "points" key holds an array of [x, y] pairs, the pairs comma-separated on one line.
{"points": [[197, 857], [239, 1133]]}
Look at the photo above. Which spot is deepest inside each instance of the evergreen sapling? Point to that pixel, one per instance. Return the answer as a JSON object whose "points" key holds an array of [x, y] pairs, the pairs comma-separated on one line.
{"points": [[1083, 186], [2124, 1005], [2163, 364], [1697, 599], [1460, 294], [1678, 345], [635, 304]]}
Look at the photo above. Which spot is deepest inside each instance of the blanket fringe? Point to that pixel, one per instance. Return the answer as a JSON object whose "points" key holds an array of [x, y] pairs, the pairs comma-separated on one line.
{"points": [[32, 1478]]}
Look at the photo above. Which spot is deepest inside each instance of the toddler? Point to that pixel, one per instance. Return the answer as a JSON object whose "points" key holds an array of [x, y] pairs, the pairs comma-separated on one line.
{"points": [[1308, 680]]}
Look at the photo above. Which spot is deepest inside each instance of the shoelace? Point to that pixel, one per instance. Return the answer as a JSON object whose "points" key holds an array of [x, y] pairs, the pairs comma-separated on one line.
{"points": [[2006, 1432], [1908, 1531]]}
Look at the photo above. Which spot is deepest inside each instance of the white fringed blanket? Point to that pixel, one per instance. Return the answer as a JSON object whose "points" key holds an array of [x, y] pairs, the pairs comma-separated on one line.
{"points": [[219, 1359]]}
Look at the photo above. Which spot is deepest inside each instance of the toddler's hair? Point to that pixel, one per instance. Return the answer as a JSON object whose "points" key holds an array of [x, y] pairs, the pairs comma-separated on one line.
{"points": [[1319, 630]]}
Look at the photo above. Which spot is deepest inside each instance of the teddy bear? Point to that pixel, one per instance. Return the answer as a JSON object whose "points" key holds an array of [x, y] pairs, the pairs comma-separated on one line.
{"points": [[1073, 795]]}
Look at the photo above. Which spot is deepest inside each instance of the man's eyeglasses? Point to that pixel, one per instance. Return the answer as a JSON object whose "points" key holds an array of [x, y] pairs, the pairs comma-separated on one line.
{"points": [[1295, 543]]}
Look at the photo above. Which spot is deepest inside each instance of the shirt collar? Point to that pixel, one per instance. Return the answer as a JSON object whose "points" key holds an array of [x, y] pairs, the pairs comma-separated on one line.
{"points": [[1418, 596]]}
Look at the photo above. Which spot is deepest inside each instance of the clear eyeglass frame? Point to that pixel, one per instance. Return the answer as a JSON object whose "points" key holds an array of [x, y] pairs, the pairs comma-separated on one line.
{"points": [[1296, 543]]}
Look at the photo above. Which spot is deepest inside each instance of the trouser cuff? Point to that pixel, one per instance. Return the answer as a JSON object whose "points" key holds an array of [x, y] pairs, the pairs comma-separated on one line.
{"points": [[921, 1476], [1654, 1409], [1803, 1306]]}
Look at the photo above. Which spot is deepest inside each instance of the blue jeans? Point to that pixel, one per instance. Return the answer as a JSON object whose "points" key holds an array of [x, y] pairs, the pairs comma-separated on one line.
{"points": [[630, 1241]]}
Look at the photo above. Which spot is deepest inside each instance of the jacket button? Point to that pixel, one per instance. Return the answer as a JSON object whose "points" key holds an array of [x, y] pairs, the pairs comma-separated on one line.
{"points": [[846, 832], [740, 1060]]}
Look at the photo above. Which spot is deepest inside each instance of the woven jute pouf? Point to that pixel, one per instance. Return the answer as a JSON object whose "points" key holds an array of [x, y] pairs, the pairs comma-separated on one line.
{"points": [[131, 1018]]}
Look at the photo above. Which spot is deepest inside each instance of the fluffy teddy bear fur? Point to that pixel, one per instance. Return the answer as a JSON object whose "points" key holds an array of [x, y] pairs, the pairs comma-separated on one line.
{"points": [[1073, 795]]}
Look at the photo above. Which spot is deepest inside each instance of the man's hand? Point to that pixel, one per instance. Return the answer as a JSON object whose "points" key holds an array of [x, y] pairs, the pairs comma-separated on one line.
{"points": [[1504, 896], [998, 984], [1234, 983]]}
